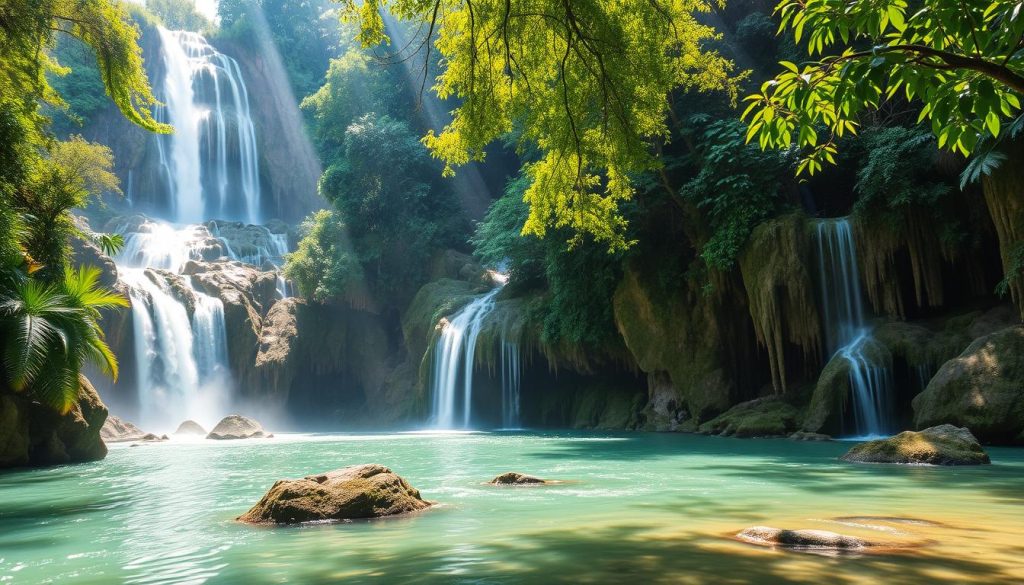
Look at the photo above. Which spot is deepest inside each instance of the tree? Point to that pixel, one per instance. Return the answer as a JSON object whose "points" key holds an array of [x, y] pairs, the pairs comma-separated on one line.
{"points": [[51, 331], [963, 60], [179, 14], [586, 82]]}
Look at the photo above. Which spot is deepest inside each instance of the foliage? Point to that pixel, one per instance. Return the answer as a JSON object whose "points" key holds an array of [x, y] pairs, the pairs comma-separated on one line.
{"points": [[737, 187], [81, 87], [585, 82], [51, 331], [74, 171], [897, 171], [27, 27], [578, 284], [962, 60], [323, 266], [387, 216], [179, 14]]}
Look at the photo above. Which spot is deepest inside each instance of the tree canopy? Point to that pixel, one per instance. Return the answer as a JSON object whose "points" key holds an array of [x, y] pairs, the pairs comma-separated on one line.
{"points": [[584, 81], [964, 62]]}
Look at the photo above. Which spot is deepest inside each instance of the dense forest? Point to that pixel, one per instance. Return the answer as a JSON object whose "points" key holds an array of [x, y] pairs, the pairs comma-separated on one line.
{"points": [[746, 219]]}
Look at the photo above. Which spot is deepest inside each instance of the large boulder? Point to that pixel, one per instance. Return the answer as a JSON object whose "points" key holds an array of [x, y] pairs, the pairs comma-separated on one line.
{"points": [[190, 427], [982, 389], [34, 435], [116, 430], [236, 426], [359, 491], [941, 445], [801, 539]]}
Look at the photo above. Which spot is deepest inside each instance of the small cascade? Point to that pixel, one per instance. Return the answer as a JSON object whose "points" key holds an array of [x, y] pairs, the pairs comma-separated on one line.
{"points": [[454, 362], [511, 374], [846, 331], [210, 163]]}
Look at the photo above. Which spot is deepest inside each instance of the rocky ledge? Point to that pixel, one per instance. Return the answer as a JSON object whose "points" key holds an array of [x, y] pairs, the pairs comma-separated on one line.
{"points": [[941, 445], [359, 491]]}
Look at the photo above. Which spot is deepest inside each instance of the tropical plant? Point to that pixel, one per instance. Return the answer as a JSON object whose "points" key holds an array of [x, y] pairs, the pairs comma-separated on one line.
{"points": [[963, 61], [50, 330]]}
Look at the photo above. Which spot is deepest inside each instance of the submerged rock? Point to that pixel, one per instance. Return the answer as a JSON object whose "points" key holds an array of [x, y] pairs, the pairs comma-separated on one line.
{"points": [[236, 426], [116, 430], [513, 478], [190, 427], [359, 491], [807, 539], [982, 389], [941, 445]]}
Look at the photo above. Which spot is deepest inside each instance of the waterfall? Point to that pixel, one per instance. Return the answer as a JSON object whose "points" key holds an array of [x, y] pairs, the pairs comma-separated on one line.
{"points": [[181, 362], [510, 381], [454, 355], [846, 331], [210, 163]]}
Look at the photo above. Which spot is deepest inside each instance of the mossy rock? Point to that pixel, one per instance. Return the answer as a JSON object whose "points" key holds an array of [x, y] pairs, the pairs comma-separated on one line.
{"points": [[940, 445], [832, 391], [359, 491], [763, 417], [982, 389]]}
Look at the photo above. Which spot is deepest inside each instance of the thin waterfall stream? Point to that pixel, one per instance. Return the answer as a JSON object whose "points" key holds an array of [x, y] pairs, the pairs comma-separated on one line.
{"points": [[846, 331]]}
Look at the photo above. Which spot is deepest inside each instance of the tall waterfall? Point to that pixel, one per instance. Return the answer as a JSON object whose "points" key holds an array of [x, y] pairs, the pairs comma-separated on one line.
{"points": [[846, 332], [454, 355], [210, 163]]}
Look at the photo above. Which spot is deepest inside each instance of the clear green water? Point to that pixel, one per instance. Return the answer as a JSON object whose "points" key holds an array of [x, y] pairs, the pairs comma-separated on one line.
{"points": [[647, 508]]}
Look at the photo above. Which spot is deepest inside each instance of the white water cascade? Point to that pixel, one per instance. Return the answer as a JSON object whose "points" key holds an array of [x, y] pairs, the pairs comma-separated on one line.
{"points": [[454, 361], [210, 163], [846, 331]]}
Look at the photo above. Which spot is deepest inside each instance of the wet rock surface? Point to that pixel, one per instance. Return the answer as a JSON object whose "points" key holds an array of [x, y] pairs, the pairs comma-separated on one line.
{"points": [[359, 491], [236, 426], [514, 478], [941, 445]]}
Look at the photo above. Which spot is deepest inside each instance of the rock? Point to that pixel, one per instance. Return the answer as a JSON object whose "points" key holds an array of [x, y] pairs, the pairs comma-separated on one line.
{"points": [[941, 445], [236, 426], [513, 478], [762, 417], [190, 427], [359, 491], [831, 396], [116, 430], [805, 436], [87, 253], [982, 389], [31, 434], [801, 539]]}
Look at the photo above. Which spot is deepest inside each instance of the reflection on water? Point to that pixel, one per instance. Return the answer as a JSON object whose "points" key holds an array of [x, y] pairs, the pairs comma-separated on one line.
{"points": [[645, 507]]}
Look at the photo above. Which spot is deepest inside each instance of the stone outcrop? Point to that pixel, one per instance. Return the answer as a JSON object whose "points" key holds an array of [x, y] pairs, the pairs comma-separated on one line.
{"points": [[33, 435], [762, 417], [190, 427], [982, 389], [941, 445], [359, 491], [235, 426], [514, 478], [116, 430], [802, 539]]}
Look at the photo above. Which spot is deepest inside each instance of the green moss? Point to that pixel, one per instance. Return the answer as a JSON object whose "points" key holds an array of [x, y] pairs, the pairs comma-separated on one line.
{"points": [[764, 417]]}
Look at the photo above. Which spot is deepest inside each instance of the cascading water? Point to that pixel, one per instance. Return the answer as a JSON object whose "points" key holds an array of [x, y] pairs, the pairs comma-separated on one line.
{"points": [[210, 163], [454, 355], [846, 332], [510, 382]]}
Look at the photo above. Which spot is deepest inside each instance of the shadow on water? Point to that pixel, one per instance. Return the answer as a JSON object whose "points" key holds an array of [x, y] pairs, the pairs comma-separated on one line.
{"points": [[621, 553]]}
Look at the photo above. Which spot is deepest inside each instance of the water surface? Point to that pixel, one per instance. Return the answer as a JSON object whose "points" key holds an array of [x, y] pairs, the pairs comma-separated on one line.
{"points": [[649, 508]]}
